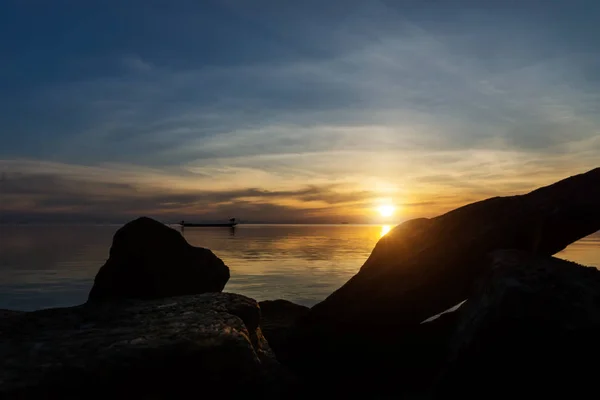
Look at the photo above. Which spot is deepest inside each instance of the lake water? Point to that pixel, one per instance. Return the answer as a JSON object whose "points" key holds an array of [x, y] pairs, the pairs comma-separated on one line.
{"points": [[54, 266]]}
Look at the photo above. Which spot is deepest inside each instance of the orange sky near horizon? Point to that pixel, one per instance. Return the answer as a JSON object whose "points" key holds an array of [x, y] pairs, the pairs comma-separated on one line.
{"points": [[416, 190]]}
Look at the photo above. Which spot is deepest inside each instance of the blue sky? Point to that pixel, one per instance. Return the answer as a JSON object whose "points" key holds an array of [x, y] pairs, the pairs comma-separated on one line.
{"points": [[290, 111]]}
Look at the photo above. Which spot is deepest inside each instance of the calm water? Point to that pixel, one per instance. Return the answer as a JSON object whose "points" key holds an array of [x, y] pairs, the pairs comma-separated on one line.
{"points": [[53, 266]]}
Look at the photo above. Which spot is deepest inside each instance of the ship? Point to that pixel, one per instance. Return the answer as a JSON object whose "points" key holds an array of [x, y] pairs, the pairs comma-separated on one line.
{"points": [[232, 222]]}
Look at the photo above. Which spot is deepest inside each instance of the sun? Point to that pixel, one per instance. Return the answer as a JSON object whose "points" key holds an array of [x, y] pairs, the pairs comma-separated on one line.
{"points": [[386, 210]]}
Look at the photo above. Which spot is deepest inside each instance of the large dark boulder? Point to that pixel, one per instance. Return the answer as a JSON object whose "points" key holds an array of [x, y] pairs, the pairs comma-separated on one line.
{"points": [[425, 266], [531, 328], [203, 345], [149, 260]]}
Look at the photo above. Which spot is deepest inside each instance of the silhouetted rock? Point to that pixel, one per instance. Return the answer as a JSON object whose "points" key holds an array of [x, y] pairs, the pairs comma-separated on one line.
{"points": [[277, 316], [209, 344], [149, 260], [9, 313], [425, 266], [531, 328]]}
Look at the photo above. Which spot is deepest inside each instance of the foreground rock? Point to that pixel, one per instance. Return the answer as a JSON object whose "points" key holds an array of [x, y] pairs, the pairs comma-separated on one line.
{"points": [[149, 260], [532, 328], [277, 317], [426, 266], [202, 345]]}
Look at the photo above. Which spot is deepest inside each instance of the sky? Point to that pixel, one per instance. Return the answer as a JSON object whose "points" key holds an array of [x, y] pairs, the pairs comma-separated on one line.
{"points": [[281, 111]]}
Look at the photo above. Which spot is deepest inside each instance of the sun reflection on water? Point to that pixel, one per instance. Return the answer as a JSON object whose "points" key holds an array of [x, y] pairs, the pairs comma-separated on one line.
{"points": [[385, 229]]}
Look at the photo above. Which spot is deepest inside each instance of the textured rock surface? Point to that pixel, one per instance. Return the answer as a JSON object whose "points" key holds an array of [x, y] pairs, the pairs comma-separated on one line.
{"points": [[160, 349], [277, 316], [426, 266], [532, 327], [149, 260]]}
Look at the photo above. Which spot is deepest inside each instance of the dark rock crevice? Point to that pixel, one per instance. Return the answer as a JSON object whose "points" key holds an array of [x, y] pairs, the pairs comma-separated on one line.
{"points": [[277, 319]]}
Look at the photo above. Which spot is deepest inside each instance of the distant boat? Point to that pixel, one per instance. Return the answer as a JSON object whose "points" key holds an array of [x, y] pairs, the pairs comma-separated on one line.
{"points": [[229, 224]]}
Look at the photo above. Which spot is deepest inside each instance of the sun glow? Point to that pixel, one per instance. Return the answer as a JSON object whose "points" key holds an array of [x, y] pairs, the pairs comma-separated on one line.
{"points": [[385, 229], [386, 210]]}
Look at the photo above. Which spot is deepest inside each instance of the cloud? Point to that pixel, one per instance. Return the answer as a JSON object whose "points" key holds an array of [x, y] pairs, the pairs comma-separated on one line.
{"points": [[115, 193], [411, 92], [75, 190], [321, 118]]}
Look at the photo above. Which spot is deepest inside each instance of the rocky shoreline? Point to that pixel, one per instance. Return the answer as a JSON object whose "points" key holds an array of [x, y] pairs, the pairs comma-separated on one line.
{"points": [[157, 324]]}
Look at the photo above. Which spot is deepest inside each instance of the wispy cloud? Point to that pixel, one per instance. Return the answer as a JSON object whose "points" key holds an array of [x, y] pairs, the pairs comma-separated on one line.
{"points": [[408, 90], [118, 192], [349, 111]]}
